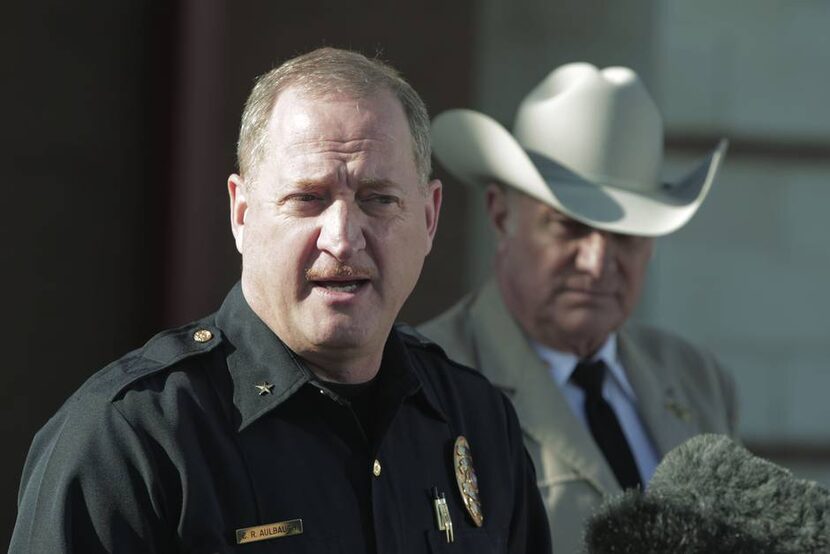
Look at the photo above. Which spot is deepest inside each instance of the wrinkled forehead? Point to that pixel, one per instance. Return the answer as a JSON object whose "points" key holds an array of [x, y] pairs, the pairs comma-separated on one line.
{"points": [[304, 117]]}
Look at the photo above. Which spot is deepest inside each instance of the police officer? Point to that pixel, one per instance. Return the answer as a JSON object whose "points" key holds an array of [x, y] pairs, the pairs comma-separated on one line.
{"points": [[297, 418]]}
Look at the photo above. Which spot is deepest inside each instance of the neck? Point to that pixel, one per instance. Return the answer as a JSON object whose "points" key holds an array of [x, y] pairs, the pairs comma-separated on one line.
{"points": [[582, 349], [339, 368]]}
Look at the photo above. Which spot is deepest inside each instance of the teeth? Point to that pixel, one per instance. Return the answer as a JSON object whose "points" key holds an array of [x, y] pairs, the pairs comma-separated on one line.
{"points": [[351, 287]]}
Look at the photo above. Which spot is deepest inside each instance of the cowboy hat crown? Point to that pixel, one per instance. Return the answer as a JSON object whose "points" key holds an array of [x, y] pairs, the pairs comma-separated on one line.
{"points": [[589, 143]]}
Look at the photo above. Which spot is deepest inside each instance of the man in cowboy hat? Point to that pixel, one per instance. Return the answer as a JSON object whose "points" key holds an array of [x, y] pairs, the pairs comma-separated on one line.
{"points": [[575, 201]]}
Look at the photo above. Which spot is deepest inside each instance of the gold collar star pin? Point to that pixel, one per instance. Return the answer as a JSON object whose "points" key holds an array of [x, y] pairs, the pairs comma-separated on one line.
{"points": [[676, 408], [264, 388], [465, 476], [679, 410]]}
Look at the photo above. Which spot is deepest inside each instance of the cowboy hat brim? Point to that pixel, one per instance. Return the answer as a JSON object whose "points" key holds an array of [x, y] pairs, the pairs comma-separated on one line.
{"points": [[478, 150]]}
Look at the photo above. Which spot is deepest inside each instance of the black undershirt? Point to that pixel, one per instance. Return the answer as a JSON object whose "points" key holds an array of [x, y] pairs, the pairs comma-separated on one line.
{"points": [[374, 404], [362, 398]]}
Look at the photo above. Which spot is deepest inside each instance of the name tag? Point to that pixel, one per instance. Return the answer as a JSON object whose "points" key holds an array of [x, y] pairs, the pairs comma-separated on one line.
{"points": [[269, 531]]}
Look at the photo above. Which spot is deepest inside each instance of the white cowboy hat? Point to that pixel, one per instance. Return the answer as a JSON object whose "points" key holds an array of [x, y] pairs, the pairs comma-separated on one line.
{"points": [[586, 142]]}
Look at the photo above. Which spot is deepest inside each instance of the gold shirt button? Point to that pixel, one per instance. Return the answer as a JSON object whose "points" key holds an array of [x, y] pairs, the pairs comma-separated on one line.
{"points": [[376, 468], [202, 335]]}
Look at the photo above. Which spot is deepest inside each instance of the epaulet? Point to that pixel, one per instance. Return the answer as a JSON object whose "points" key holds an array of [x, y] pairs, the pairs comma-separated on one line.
{"points": [[167, 349], [413, 337]]}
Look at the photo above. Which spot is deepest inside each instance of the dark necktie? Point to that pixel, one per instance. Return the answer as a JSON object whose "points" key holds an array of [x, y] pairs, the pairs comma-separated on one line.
{"points": [[604, 425]]}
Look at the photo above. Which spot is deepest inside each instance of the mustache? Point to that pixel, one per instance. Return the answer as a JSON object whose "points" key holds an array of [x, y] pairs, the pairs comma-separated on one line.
{"points": [[344, 272]]}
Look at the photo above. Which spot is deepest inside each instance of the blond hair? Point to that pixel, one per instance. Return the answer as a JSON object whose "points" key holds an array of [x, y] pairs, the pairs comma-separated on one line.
{"points": [[320, 73]]}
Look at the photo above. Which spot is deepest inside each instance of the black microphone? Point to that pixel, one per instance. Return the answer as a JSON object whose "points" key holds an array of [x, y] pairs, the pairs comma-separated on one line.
{"points": [[711, 495]]}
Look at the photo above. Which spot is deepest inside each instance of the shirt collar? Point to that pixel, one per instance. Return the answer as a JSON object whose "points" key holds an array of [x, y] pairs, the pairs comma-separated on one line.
{"points": [[264, 371], [258, 361], [563, 364]]}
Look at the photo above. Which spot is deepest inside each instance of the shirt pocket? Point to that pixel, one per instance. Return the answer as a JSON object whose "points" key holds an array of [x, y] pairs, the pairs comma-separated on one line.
{"points": [[472, 541]]}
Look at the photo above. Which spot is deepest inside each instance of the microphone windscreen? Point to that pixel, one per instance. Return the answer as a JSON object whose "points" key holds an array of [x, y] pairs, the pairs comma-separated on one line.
{"points": [[712, 495]]}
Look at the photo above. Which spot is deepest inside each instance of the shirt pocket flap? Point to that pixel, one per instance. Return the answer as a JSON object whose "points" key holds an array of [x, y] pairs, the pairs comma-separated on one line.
{"points": [[477, 541]]}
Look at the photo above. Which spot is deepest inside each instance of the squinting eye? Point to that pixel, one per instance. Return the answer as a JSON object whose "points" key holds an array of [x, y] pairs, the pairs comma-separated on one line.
{"points": [[382, 199], [306, 197], [569, 227], [303, 202], [577, 228]]}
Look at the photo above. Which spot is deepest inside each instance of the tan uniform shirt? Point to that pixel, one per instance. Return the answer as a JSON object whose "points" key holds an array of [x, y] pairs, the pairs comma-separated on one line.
{"points": [[681, 392]]}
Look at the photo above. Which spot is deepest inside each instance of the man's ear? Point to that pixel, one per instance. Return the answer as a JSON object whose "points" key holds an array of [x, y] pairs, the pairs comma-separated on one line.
{"points": [[497, 208], [434, 195], [239, 208]]}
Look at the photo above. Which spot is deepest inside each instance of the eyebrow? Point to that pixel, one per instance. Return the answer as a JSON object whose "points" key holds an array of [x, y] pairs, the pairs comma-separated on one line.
{"points": [[557, 215], [376, 183], [367, 182], [309, 183]]}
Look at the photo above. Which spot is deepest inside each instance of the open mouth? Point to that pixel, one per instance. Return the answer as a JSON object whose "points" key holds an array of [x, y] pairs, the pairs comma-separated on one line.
{"points": [[342, 286], [341, 279]]}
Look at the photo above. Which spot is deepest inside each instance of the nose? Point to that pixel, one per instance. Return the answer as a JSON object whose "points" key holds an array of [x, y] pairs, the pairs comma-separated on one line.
{"points": [[341, 232], [592, 254]]}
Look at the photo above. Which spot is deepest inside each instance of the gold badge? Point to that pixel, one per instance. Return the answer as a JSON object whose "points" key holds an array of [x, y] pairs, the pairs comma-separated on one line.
{"points": [[269, 531], [465, 476]]}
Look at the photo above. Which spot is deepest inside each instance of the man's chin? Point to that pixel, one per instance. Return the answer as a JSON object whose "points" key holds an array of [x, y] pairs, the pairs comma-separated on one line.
{"points": [[340, 334], [590, 324]]}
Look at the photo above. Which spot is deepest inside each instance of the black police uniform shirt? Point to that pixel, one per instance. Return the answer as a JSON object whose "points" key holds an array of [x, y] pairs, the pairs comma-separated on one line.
{"points": [[216, 431]]}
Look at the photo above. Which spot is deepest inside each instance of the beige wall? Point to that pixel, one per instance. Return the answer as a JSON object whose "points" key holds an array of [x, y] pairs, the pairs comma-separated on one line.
{"points": [[748, 276]]}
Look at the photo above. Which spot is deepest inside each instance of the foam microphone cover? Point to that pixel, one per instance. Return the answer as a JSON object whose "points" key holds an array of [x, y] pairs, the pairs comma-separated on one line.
{"points": [[710, 495]]}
